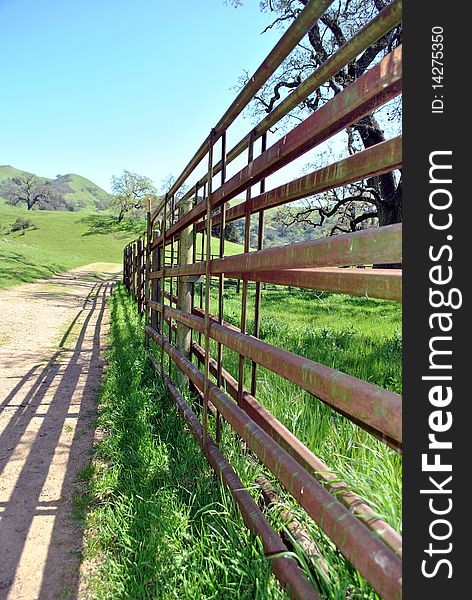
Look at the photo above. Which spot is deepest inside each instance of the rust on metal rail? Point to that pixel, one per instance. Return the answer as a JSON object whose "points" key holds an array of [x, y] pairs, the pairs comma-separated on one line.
{"points": [[367, 403], [376, 561], [379, 244], [285, 567], [329, 264], [376, 87], [378, 159], [385, 284]]}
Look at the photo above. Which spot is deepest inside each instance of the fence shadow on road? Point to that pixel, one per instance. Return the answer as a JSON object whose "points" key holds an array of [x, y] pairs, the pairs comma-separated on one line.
{"points": [[39, 460]]}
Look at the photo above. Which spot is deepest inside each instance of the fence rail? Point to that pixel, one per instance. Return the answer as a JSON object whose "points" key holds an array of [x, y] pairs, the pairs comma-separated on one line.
{"points": [[173, 289]]}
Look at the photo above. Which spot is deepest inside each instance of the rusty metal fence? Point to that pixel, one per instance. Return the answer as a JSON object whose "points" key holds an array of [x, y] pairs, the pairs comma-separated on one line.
{"points": [[173, 288]]}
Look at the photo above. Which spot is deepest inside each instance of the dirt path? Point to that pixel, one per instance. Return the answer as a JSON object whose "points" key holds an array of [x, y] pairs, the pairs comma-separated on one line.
{"points": [[51, 340]]}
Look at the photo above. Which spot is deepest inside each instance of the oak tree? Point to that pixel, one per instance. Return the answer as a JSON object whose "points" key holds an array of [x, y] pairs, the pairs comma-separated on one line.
{"points": [[36, 193], [130, 192], [376, 199]]}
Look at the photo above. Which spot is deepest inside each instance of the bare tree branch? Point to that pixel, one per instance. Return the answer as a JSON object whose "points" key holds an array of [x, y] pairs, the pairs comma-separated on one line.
{"points": [[342, 20]]}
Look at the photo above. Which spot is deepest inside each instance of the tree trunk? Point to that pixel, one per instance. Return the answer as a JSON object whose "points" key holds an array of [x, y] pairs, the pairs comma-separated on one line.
{"points": [[389, 214], [389, 205]]}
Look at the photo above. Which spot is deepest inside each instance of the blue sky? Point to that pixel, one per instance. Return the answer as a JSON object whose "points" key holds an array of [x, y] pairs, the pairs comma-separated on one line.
{"points": [[97, 87]]}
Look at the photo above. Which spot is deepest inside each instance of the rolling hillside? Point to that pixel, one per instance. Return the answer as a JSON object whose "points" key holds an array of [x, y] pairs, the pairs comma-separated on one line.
{"points": [[85, 194]]}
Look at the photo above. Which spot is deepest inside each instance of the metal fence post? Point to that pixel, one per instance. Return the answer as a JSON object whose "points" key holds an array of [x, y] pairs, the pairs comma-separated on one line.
{"points": [[184, 297]]}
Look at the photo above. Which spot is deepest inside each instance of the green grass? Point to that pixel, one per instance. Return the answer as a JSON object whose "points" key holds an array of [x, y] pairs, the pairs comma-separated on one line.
{"points": [[359, 336], [63, 240], [160, 525]]}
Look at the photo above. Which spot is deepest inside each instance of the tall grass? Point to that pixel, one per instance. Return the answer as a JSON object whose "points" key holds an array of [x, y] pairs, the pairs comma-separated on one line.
{"points": [[359, 336], [161, 526]]}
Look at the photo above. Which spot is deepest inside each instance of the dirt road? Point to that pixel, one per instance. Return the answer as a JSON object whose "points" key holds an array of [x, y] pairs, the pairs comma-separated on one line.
{"points": [[52, 334]]}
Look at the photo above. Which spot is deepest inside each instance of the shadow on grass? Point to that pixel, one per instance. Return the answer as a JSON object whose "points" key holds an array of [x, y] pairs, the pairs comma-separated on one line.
{"points": [[15, 268], [109, 225]]}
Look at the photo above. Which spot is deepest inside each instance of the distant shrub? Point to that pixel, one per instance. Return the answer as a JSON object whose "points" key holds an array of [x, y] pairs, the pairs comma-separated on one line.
{"points": [[22, 224]]}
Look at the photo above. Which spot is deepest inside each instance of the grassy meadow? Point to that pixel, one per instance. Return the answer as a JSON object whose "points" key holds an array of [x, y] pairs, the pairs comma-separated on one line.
{"points": [[159, 523], [62, 240]]}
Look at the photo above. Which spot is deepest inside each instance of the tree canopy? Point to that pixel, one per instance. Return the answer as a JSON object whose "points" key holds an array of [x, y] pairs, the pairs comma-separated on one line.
{"points": [[36, 193], [130, 193]]}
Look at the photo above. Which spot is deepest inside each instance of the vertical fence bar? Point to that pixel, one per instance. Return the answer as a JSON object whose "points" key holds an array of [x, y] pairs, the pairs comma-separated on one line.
{"points": [[155, 284], [207, 287], [128, 266], [136, 267], [147, 285], [128, 270], [135, 270], [257, 307], [143, 270], [202, 258], [132, 264], [124, 265], [131, 270], [163, 280], [247, 231], [139, 274], [184, 288], [194, 231], [171, 279], [221, 282], [194, 260]]}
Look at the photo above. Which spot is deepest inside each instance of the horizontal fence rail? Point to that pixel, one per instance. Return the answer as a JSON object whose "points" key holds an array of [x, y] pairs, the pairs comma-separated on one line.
{"points": [[173, 271]]}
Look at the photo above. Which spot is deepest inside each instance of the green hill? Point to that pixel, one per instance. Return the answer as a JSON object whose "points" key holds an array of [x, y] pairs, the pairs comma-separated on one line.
{"points": [[84, 193], [84, 190], [7, 172]]}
